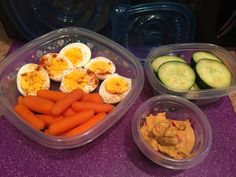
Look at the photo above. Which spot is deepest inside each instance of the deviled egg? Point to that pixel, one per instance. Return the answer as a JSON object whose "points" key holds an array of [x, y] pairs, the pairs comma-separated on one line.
{"points": [[81, 78], [55, 65], [115, 88], [101, 66], [78, 53], [32, 77]]}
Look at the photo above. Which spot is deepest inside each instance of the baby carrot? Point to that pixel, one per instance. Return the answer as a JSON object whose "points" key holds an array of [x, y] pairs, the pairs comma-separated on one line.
{"points": [[51, 94], [66, 101], [97, 107], [20, 99], [92, 97], [38, 104], [46, 131], [86, 125], [49, 119], [68, 112], [69, 122], [29, 117]]}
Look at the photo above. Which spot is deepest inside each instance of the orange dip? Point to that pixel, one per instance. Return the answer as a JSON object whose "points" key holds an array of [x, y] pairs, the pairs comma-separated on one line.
{"points": [[174, 138]]}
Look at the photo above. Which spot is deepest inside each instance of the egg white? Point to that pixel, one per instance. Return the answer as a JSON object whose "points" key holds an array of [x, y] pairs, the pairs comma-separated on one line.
{"points": [[102, 73], [84, 49], [89, 78], [27, 69], [48, 62], [111, 97]]}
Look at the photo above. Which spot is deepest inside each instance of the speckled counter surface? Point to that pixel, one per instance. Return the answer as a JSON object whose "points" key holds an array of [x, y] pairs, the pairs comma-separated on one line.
{"points": [[5, 43], [115, 153]]}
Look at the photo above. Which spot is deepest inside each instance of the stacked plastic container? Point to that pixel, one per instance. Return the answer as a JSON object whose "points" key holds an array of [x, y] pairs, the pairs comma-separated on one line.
{"points": [[141, 28]]}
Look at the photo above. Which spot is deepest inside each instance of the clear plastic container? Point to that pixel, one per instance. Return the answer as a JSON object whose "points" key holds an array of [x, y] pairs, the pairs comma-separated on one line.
{"points": [[126, 64], [185, 51], [35, 18], [176, 108], [142, 27]]}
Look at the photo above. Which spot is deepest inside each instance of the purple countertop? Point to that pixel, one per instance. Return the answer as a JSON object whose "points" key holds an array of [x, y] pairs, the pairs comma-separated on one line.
{"points": [[115, 153]]}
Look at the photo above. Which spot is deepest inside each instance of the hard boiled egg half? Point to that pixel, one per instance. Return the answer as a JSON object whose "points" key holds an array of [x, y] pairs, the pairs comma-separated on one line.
{"points": [[115, 88], [81, 78], [32, 77], [55, 65], [77, 53], [101, 66]]}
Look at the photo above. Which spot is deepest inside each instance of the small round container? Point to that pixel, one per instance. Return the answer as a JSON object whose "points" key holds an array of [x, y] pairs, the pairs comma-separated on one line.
{"points": [[176, 108]]}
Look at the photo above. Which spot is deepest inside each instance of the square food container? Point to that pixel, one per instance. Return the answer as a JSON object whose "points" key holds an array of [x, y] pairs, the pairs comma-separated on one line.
{"points": [[126, 65], [185, 50], [142, 27]]}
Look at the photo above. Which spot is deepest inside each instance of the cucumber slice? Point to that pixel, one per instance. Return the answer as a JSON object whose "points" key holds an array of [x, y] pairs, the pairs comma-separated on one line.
{"points": [[176, 75], [212, 74], [157, 62], [195, 87], [197, 56]]}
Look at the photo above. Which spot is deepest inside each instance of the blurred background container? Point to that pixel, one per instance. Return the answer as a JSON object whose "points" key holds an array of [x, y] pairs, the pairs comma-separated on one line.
{"points": [[143, 27], [27, 19]]}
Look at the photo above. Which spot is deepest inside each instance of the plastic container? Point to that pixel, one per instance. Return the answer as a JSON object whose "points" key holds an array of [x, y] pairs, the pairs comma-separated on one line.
{"points": [[176, 108], [34, 18], [140, 28], [126, 64], [185, 51]]}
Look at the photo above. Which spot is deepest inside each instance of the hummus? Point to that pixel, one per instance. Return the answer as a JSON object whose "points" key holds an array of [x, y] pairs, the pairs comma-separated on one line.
{"points": [[174, 138]]}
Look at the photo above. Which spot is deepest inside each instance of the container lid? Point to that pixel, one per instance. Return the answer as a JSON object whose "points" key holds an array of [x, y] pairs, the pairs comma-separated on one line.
{"points": [[32, 18], [140, 28]]}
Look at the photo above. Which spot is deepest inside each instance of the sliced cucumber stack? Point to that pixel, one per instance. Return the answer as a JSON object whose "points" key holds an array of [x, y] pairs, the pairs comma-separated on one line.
{"points": [[157, 62], [176, 75], [197, 56], [212, 74], [206, 71]]}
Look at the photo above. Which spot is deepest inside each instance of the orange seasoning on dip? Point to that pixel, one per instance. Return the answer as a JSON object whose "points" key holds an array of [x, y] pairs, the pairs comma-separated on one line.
{"points": [[174, 138]]}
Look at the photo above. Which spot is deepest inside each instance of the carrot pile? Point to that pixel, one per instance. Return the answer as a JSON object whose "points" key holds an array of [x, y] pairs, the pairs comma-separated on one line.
{"points": [[63, 114]]}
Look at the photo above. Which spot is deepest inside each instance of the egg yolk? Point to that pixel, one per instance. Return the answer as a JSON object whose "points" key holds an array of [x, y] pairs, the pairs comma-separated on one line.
{"points": [[54, 66], [74, 55], [116, 85], [75, 79], [101, 67], [32, 81]]}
